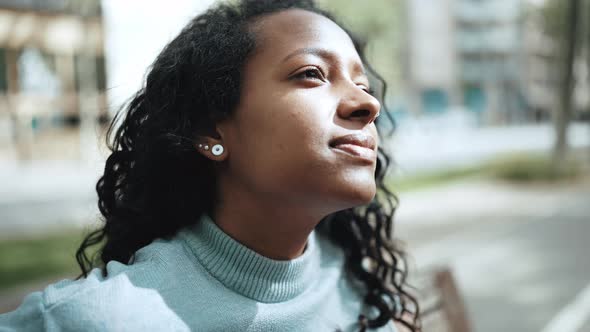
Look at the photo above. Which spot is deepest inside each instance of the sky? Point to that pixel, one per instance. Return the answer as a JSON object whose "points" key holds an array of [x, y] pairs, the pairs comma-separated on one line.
{"points": [[135, 32]]}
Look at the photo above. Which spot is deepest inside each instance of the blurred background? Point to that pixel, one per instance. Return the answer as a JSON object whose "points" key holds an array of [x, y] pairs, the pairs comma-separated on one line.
{"points": [[491, 147]]}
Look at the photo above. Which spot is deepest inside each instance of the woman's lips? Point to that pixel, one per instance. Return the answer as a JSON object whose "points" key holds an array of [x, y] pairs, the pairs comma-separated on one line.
{"points": [[356, 151]]}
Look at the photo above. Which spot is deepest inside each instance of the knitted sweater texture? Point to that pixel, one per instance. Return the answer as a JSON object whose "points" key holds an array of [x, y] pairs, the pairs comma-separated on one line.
{"points": [[201, 280]]}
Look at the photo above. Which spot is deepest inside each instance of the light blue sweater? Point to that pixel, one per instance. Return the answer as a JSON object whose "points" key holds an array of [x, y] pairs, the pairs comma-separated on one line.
{"points": [[201, 280]]}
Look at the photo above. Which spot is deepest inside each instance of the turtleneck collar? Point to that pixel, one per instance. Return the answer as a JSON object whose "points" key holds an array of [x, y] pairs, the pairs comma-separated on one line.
{"points": [[246, 272]]}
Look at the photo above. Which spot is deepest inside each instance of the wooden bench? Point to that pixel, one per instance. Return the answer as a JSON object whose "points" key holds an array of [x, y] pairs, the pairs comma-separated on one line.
{"points": [[441, 304]]}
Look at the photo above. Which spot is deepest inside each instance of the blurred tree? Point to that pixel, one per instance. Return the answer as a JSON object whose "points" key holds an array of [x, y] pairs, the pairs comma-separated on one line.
{"points": [[561, 22], [381, 23]]}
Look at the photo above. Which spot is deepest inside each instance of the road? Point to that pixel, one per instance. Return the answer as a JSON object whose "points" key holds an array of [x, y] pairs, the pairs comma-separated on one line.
{"points": [[520, 254]]}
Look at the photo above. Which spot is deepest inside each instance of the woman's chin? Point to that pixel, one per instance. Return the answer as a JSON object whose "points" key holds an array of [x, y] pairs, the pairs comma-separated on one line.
{"points": [[365, 198], [358, 195]]}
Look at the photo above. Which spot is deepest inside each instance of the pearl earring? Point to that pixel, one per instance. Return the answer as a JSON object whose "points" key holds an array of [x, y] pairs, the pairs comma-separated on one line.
{"points": [[217, 149]]}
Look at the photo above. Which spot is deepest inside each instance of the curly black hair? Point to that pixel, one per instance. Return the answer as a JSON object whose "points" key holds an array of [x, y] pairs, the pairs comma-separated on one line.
{"points": [[154, 172]]}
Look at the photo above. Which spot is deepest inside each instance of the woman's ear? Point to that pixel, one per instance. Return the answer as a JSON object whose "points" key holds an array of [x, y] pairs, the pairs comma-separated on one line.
{"points": [[212, 147]]}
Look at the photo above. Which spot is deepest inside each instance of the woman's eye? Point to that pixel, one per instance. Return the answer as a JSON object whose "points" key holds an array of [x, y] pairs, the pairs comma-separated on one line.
{"points": [[311, 73]]}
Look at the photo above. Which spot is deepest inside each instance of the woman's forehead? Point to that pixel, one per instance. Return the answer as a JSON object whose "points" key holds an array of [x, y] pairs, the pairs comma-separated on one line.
{"points": [[284, 33]]}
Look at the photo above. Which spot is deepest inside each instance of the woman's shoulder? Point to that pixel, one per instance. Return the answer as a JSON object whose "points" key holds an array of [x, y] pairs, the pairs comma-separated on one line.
{"points": [[112, 304], [146, 270], [103, 302]]}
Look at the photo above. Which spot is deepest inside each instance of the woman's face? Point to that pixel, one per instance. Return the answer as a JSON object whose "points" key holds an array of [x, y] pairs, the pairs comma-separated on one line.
{"points": [[303, 87]]}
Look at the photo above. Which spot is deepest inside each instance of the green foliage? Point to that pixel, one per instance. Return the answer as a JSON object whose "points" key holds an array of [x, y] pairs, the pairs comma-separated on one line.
{"points": [[431, 179], [528, 168], [555, 20], [554, 14], [31, 259], [369, 17], [381, 23], [521, 168]]}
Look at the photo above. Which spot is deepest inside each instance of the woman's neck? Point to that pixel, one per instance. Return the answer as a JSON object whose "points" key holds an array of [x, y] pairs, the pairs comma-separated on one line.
{"points": [[272, 227], [280, 236]]}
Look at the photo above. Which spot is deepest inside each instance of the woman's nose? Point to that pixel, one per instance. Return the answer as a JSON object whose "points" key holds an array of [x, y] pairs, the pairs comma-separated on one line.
{"points": [[359, 105]]}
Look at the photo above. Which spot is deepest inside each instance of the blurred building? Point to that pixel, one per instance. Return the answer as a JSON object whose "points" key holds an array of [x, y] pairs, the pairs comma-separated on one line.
{"points": [[432, 64], [468, 54], [52, 70]]}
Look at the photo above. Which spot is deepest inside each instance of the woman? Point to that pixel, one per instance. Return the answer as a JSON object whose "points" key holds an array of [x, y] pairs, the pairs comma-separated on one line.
{"points": [[244, 191]]}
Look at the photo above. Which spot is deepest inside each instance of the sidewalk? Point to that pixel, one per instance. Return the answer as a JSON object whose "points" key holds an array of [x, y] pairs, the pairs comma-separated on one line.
{"points": [[474, 198], [427, 218], [430, 144], [35, 197]]}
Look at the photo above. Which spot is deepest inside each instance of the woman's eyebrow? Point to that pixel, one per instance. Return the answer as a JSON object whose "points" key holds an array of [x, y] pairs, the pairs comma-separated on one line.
{"points": [[324, 54], [320, 52]]}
